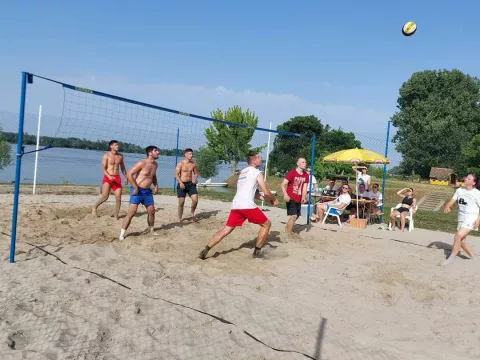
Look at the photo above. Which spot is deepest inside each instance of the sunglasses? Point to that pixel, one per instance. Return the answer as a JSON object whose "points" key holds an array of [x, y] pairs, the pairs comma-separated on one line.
{"points": [[345, 187], [375, 187]]}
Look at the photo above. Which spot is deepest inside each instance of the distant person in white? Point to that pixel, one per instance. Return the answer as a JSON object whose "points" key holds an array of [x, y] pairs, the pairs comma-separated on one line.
{"points": [[314, 181], [244, 207], [376, 195], [363, 177], [468, 203]]}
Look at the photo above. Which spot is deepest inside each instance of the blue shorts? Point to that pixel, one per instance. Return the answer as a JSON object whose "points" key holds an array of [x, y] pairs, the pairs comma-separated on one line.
{"points": [[144, 197], [333, 211]]}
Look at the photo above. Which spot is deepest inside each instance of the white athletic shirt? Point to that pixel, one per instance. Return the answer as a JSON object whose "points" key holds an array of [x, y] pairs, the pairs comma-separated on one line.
{"points": [[377, 196], [247, 186], [468, 203], [345, 199]]}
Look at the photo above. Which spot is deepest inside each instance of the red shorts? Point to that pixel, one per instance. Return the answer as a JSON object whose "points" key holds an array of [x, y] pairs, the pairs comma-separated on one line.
{"points": [[237, 217], [115, 184]]}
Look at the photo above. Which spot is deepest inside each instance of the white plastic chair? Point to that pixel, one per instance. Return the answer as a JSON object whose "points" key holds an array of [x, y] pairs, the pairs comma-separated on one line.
{"points": [[328, 213], [409, 217]]}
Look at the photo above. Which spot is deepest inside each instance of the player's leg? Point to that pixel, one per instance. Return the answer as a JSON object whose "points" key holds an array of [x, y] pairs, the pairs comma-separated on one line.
{"points": [[256, 216], [194, 198], [236, 218], [403, 215], [118, 202], [321, 208], [292, 212], [151, 217], [393, 215], [132, 210], [104, 194], [181, 194], [459, 236]]}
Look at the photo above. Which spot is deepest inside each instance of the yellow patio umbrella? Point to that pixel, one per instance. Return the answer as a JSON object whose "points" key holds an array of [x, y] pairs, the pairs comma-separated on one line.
{"points": [[356, 156]]}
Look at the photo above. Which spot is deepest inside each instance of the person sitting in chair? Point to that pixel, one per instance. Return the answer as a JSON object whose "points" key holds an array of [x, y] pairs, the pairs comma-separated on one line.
{"points": [[408, 201], [376, 195], [362, 194], [336, 206]]}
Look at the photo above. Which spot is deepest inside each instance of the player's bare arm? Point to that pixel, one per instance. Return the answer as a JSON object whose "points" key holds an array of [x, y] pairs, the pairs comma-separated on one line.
{"points": [[266, 193], [195, 173], [449, 205], [178, 175], [284, 190], [124, 169], [105, 166], [134, 172], [155, 184]]}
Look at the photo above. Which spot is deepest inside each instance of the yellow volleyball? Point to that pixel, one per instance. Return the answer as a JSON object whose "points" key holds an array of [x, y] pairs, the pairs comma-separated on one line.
{"points": [[409, 28]]}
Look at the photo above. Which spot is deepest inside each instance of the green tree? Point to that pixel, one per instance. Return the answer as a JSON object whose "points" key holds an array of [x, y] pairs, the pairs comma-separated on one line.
{"points": [[232, 143], [207, 162], [470, 160], [438, 113], [5, 156], [287, 148]]}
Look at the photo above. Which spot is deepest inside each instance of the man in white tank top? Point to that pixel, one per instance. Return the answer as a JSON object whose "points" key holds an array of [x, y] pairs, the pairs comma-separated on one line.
{"points": [[244, 207], [468, 203]]}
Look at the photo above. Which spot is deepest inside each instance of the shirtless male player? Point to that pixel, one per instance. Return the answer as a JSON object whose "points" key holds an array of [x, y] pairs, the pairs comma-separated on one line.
{"points": [[187, 185], [111, 178], [141, 177]]}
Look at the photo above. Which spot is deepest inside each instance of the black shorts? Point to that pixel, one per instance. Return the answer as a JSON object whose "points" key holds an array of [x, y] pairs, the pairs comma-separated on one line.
{"points": [[190, 189], [403, 209], [294, 208]]}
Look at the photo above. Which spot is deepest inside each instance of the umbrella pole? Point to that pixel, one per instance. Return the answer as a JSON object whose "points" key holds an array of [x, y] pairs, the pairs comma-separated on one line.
{"points": [[356, 191]]}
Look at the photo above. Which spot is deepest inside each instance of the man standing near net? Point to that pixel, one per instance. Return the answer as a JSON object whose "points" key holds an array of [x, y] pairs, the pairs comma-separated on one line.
{"points": [[294, 188], [244, 207], [187, 185], [141, 177], [111, 161]]}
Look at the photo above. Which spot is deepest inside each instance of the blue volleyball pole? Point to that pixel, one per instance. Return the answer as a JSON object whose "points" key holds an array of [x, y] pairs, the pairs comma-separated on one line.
{"points": [[384, 177], [18, 166], [176, 159], [312, 167]]}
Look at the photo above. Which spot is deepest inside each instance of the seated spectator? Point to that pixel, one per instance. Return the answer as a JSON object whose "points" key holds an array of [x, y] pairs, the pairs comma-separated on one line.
{"points": [[344, 182], [337, 206], [362, 194], [376, 195], [331, 187]]}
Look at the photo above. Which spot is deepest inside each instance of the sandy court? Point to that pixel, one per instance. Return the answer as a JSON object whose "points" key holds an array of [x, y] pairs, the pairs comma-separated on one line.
{"points": [[370, 294]]}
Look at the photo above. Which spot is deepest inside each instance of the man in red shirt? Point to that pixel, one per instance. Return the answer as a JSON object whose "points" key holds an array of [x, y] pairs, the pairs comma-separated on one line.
{"points": [[294, 188]]}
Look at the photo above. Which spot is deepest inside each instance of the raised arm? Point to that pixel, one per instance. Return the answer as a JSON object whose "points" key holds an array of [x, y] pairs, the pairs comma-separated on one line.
{"points": [[400, 192], [355, 169], [267, 195]]}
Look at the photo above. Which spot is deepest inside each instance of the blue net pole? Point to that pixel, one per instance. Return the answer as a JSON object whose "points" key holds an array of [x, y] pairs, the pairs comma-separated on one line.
{"points": [[18, 166], [312, 169], [176, 159], [384, 177]]}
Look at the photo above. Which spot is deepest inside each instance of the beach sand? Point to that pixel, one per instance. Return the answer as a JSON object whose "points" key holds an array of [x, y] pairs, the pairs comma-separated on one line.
{"points": [[76, 292]]}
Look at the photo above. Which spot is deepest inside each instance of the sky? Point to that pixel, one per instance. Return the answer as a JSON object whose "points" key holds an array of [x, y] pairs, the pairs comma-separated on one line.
{"points": [[343, 62]]}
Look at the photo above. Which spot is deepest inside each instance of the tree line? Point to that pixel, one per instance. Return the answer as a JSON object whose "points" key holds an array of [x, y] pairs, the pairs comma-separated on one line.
{"points": [[76, 143]]}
